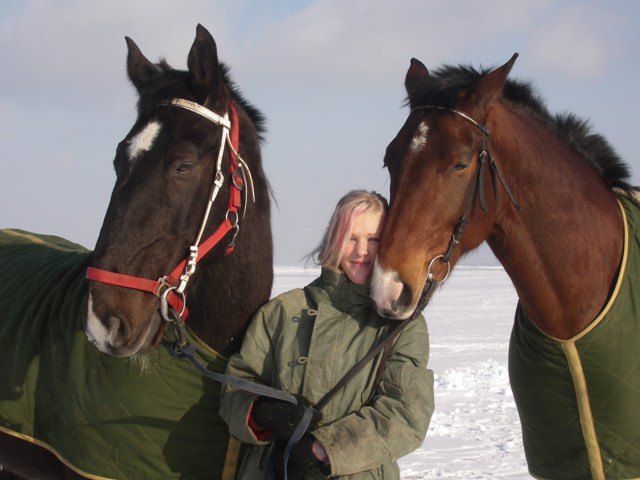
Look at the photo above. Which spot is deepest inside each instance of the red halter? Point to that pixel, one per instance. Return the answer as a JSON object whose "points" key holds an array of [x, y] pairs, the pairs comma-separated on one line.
{"points": [[170, 288]]}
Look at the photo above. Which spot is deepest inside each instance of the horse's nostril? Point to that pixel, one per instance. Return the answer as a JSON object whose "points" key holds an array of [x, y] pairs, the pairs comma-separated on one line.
{"points": [[406, 295], [118, 331], [398, 307]]}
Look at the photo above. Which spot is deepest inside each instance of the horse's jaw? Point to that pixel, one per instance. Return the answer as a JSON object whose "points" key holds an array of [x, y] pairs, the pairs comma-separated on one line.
{"points": [[111, 335]]}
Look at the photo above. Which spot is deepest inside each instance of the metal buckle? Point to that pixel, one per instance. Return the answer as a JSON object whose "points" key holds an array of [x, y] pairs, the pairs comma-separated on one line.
{"points": [[227, 215], [237, 178], [235, 225]]}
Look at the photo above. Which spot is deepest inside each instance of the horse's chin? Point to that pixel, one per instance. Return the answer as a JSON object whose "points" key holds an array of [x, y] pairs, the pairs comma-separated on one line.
{"points": [[146, 362], [395, 314], [149, 339]]}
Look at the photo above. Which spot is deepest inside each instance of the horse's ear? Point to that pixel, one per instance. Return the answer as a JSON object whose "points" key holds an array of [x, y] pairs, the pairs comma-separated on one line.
{"points": [[490, 86], [140, 69], [203, 64], [416, 73]]}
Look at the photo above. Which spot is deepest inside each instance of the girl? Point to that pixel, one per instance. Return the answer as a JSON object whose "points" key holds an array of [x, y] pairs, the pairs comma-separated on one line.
{"points": [[305, 340]]}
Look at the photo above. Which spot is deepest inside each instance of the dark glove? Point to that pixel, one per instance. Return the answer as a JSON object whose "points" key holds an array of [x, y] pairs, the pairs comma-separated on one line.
{"points": [[279, 417], [301, 460]]}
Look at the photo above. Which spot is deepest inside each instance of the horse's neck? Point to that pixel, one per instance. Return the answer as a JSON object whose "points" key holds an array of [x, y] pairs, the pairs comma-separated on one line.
{"points": [[230, 288], [562, 249], [216, 315]]}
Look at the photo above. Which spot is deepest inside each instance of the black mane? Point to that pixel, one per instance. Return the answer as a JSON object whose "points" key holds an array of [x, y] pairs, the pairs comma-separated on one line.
{"points": [[441, 88], [171, 83]]}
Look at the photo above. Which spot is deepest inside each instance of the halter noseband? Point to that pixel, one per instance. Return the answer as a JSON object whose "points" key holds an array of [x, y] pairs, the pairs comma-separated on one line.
{"points": [[170, 288], [476, 189]]}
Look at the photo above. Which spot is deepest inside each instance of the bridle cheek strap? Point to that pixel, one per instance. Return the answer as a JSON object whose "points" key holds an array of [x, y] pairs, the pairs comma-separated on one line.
{"points": [[476, 190], [170, 288]]}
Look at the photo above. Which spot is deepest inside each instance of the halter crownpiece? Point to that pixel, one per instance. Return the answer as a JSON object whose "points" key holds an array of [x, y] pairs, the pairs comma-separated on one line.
{"points": [[481, 126], [223, 121]]}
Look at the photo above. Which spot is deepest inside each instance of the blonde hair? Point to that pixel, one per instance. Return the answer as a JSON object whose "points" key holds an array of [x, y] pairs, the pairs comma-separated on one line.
{"points": [[329, 252]]}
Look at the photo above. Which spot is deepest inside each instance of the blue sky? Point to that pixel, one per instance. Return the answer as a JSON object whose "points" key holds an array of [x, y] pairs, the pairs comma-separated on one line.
{"points": [[328, 75]]}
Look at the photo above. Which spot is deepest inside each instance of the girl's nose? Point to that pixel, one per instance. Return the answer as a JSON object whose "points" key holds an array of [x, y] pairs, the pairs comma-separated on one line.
{"points": [[363, 248]]}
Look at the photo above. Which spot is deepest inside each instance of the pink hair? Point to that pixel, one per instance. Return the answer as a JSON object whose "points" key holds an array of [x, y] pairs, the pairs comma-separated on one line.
{"points": [[329, 252]]}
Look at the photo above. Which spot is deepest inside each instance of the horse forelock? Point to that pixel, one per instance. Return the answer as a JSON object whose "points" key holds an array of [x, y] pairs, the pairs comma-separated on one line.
{"points": [[442, 87], [171, 83]]}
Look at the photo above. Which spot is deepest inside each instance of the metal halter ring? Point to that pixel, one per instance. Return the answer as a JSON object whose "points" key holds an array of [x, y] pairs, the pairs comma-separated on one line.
{"points": [[164, 305], [430, 276], [228, 215]]}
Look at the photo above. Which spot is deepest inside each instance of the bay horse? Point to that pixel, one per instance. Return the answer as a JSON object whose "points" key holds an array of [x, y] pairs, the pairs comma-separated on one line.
{"points": [[480, 158], [191, 208]]}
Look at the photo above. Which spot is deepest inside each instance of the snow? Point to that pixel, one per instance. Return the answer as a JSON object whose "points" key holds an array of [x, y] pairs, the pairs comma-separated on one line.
{"points": [[475, 430]]}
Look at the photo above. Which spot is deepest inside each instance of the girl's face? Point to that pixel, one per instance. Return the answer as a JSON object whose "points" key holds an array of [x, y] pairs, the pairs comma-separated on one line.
{"points": [[362, 247]]}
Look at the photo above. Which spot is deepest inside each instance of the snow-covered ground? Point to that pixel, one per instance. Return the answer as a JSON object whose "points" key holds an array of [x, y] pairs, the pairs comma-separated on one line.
{"points": [[475, 430]]}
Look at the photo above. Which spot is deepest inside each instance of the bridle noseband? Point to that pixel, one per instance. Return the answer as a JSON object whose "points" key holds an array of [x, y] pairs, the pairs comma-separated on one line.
{"points": [[476, 189], [170, 288]]}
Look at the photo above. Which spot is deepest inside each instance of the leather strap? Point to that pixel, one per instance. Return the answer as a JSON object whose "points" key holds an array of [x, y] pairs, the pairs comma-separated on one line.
{"points": [[364, 361], [137, 283]]}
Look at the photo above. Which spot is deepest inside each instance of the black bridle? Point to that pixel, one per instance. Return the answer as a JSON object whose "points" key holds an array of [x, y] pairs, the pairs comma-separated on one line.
{"points": [[476, 190]]}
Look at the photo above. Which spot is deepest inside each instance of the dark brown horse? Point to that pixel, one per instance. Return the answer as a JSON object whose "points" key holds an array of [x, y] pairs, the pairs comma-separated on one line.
{"points": [[166, 169], [189, 175], [480, 158]]}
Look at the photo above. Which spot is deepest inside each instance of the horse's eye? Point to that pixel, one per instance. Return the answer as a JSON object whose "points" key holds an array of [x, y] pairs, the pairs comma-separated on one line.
{"points": [[184, 167], [459, 166]]}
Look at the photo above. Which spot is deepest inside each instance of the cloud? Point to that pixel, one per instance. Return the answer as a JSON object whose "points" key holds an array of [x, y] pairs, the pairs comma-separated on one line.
{"points": [[577, 42], [75, 49], [356, 44]]}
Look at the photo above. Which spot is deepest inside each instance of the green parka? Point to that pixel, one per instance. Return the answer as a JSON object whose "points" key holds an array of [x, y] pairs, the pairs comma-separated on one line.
{"points": [[303, 342]]}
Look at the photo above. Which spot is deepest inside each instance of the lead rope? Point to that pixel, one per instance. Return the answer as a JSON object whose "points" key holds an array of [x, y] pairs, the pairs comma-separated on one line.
{"points": [[182, 349]]}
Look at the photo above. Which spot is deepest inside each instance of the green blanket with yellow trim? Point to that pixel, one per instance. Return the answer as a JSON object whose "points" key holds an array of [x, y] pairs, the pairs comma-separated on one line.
{"points": [[103, 416], [579, 399]]}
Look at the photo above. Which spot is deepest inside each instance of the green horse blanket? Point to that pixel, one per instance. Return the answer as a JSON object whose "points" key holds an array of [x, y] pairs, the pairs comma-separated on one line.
{"points": [[104, 417], [579, 399]]}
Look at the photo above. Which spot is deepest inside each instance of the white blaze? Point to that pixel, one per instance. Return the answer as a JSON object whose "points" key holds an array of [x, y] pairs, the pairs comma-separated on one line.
{"points": [[420, 138], [96, 331], [143, 140]]}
